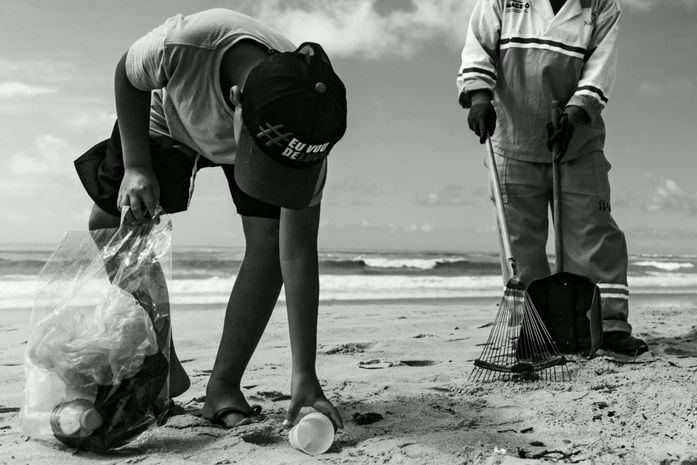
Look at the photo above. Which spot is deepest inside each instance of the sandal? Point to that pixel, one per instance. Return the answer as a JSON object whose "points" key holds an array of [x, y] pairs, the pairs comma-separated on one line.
{"points": [[252, 416]]}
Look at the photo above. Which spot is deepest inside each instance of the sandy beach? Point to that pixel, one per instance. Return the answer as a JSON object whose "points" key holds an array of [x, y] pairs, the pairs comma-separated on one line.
{"points": [[613, 411]]}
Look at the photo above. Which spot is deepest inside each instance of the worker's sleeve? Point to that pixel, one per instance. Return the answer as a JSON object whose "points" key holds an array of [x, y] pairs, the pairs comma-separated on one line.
{"points": [[598, 74], [148, 66], [480, 53]]}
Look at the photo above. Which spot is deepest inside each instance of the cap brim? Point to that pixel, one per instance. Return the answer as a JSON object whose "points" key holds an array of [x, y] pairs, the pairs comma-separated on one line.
{"points": [[273, 182]]}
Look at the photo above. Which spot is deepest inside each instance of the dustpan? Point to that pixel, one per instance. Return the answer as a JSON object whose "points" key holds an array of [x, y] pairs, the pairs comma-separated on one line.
{"points": [[568, 303]]}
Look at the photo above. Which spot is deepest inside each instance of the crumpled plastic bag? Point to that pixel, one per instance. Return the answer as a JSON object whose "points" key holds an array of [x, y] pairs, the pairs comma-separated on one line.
{"points": [[106, 350], [100, 332]]}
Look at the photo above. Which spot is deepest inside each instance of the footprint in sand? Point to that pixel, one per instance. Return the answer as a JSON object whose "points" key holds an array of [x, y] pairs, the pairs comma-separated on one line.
{"points": [[349, 348], [365, 418], [273, 396], [261, 436], [417, 363], [377, 364]]}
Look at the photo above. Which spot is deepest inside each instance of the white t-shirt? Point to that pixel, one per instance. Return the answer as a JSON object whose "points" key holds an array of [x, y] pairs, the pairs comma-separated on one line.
{"points": [[180, 62]]}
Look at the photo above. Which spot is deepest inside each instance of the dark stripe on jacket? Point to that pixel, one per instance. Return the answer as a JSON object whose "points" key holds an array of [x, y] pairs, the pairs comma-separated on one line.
{"points": [[534, 40], [478, 70], [594, 89]]}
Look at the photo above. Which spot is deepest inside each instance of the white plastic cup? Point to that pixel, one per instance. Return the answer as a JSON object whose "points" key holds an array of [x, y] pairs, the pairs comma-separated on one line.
{"points": [[76, 418], [314, 434]]}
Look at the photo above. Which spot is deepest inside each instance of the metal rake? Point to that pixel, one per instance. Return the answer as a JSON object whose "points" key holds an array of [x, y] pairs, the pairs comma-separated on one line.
{"points": [[519, 346]]}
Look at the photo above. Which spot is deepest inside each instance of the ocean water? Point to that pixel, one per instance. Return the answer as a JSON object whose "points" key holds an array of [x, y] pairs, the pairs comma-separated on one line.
{"points": [[205, 275]]}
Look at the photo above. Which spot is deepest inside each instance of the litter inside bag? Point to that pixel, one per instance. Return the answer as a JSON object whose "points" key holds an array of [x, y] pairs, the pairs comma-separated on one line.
{"points": [[106, 350], [98, 352]]}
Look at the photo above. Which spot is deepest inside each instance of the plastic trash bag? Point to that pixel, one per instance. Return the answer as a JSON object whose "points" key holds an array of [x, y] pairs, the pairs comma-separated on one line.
{"points": [[106, 350], [97, 357]]}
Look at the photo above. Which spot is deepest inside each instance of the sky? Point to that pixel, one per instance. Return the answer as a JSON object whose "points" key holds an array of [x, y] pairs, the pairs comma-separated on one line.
{"points": [[408, 175]]}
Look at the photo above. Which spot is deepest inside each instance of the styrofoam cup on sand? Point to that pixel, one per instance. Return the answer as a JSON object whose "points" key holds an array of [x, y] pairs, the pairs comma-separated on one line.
{"points": [[314, 434]]}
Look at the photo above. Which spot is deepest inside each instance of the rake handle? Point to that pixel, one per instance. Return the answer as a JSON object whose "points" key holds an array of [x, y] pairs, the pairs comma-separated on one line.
{"points": [[556, 194], [500, 212]]}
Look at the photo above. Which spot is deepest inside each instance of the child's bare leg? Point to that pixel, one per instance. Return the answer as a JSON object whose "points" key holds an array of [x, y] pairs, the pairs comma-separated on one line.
{"points": [[251, 303], [178, 379]]}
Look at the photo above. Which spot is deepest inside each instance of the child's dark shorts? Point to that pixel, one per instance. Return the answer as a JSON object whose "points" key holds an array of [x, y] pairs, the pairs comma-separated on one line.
{"points": [[101, 170]]}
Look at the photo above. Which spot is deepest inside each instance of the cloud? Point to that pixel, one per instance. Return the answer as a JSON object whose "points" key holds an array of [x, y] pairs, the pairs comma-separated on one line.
{"points": [[452, 194], [61, 80], [653, 233], [649, 5], [50, 71], [331, 224], [376, 28], [675, 87], [96, 121], [10, 89], [623, 199], [422, 228], [670, 196], [392, 228], [52, 157], [13, 188], [360, 28], [356, 186], [354, 192]]}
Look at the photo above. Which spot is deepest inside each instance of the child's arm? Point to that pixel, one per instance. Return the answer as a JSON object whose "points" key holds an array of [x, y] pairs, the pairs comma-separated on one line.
{"points": [[300, 269], [139, 187], [144, 68]]}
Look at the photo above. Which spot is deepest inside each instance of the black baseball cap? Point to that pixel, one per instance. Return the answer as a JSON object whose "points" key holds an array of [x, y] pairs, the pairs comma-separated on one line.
{"points": [[294, 111]]}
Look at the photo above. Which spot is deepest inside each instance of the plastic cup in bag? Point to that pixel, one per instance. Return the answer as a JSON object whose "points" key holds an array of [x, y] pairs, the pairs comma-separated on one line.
{"points": [[75, 419], [314, 434]]}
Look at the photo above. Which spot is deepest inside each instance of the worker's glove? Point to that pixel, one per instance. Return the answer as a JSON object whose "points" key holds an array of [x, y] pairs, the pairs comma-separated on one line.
{"points": [[561, 134], [482, 120]]}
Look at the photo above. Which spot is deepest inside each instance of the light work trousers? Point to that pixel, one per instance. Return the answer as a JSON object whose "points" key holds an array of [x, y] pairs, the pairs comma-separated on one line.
{"points": [[594, 246]]}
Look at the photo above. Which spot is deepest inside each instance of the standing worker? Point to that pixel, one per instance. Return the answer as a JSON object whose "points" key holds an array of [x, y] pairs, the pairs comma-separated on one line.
{"points": [[519, 56]]}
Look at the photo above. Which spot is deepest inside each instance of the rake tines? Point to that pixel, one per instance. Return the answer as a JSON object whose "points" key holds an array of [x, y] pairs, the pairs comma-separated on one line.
{"points": [[519, 346]]}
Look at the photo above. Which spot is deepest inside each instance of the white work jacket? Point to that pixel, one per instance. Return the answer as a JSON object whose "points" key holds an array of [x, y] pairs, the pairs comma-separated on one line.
{"points": [[527, 57]]}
